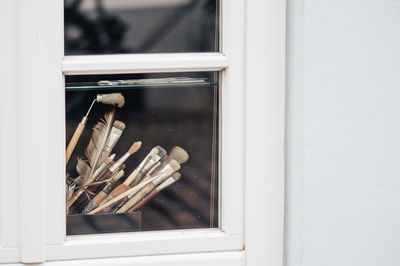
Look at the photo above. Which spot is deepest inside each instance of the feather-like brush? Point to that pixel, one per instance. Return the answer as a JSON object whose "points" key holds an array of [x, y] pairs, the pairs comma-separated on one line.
{"points": [[104, 165], [116, 99], [101, 131]]}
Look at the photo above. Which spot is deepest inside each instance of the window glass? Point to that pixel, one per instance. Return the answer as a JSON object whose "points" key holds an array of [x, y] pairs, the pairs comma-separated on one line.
{"points": [[140, 26], [174, 116]]}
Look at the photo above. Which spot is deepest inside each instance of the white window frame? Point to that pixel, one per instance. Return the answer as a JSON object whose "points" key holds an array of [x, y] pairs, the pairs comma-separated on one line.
{"points": [[252, 132]]}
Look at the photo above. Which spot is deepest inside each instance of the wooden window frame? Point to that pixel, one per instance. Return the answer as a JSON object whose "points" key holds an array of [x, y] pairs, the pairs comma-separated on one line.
{"points": [[252, 63]]}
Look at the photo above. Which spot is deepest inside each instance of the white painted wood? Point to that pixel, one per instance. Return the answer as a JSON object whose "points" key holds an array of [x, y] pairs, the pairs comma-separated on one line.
{"points": [[144, 63], [41, 103], [232, 119], [9, 227], [265, 103], [152, 243], [143, 243], [9, 255], [55, 126], [294, 150], [32, 129], [200, 259]]}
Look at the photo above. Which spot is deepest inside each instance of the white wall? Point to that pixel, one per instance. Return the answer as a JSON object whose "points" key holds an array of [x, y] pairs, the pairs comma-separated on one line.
{"points": [[343, 133]]}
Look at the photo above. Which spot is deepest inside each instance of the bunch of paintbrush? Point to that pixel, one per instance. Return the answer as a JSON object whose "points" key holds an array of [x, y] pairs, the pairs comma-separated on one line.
{"points": [[151, 176], [106, 176], [176, 157], [98, 170], [95, 189]]}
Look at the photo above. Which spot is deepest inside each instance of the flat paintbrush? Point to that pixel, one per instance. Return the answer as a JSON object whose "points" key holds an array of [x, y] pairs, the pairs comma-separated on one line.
{"points": [[103, 193], [142, 169], [172, 179], [133, 198], [134, 148], [178, 154], [168, 170], [175, 166], [149, 160]]}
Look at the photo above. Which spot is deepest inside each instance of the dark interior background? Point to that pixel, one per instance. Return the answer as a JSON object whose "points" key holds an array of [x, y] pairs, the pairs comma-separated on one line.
{"points": [[165, 116], [145, 26]]}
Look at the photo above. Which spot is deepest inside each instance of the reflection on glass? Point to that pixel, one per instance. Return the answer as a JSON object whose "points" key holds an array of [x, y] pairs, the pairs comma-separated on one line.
{"points": [[140, 26], [162, 111]]}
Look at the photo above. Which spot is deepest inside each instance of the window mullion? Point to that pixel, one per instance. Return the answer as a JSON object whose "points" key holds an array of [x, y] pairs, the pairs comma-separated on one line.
{"points": [[140, 63]]}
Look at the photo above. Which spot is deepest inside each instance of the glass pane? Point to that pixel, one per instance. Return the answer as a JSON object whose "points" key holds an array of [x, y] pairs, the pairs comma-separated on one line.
{"points": [[171, 114], [140, 26]]}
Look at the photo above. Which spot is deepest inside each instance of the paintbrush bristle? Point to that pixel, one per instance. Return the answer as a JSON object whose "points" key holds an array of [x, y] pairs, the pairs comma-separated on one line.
{"points": [[174, 165], [161, 151], [153, 152], [176, 176], [112, 98], [179, 154], [119, 124], [108, 160], [135, 146]]}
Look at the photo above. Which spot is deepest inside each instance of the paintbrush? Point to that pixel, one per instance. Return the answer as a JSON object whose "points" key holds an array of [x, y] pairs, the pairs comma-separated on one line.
{"points": [[172, 179], [98, 140], [112, 99], [143, 169], [149, 161], [178, 154], [173, 166], [108, 161], [134, 148], [133, 198], [83, 199], [83, 168], [135, 178], [103, 193]]}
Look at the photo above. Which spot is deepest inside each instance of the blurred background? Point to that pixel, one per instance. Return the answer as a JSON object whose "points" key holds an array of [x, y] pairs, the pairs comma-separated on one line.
{"points": [[140, 26]]}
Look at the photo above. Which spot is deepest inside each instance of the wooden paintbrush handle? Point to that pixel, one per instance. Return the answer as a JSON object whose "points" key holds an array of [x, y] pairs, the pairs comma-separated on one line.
{"points": [[119, 197], [136, 198], [74, 141], [131, 177], [139, 205]]}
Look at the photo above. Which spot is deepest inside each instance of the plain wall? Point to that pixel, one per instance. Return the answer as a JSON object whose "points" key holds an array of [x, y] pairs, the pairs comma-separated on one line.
{"points": [[343, 133]]}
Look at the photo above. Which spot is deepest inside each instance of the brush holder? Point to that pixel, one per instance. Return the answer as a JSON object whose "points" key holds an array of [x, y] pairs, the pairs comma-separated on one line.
{"points": [[104, 223]]}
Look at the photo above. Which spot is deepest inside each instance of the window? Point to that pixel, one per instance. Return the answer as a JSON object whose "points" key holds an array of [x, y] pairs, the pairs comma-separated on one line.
{"points": [[34, 141], [226, 233]]}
